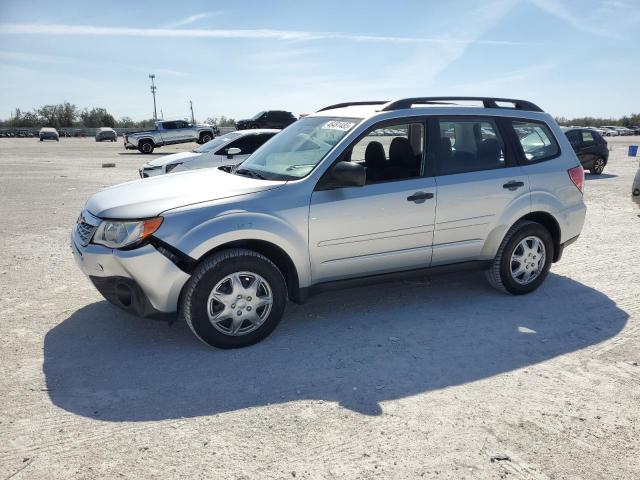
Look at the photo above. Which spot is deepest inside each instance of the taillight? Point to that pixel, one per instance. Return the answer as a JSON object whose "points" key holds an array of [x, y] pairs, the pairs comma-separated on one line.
{"points": [[577, 176]]}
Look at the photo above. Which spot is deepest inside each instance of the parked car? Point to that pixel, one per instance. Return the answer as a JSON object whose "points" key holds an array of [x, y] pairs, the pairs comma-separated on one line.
{"points": [[106, 133], [168, 133], [229, 149], [329, 200], [590, 147], [48, 133], [624, 131], [270, 119], [610, 132], [635, 190]]}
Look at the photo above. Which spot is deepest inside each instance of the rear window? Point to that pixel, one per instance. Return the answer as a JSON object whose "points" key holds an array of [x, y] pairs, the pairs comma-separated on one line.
{"points": [[537, 141], [588, 137]]}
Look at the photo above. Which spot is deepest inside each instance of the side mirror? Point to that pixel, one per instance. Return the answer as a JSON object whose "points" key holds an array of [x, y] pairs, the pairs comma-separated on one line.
{"points": [[233, 151], [348, 174]]}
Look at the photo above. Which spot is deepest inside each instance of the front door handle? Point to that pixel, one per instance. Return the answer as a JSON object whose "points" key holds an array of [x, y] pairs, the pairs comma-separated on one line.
{"points": [[513, 185], [416, 197]]}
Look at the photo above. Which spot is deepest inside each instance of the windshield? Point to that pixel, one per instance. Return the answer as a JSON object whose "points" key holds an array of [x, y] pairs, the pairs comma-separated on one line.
{"points": [[216, 143], [257, 116], [295, 151]]}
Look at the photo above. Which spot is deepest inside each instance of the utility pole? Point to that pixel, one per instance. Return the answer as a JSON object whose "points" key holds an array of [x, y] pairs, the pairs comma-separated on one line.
{"points": [[153, 92], [193, 120]]}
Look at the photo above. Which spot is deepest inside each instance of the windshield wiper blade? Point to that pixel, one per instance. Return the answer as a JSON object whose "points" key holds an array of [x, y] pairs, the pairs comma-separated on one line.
{"points": [[251, 173], [293, 167]]}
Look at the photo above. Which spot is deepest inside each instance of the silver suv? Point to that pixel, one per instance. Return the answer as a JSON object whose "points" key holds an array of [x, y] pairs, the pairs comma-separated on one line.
{"points": [[355, 192]]}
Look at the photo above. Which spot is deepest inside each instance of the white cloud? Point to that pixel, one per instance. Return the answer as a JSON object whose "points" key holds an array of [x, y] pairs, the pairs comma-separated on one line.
{"points": [[581, 23], [295, 35], [192, 19]]}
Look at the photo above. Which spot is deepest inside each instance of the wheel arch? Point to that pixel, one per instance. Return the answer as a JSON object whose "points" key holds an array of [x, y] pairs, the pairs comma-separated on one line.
{"points": [[146, 139], [274, 253], [551, 224]]}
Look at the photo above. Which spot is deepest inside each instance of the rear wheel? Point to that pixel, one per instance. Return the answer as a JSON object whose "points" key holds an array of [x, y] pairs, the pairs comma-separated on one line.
{"points": [[235, 298], [598, 166], [523, 259], [146, 146]]}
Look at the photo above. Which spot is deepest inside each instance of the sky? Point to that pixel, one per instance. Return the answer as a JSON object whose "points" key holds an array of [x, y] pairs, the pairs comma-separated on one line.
{"points": [[573, 58]]}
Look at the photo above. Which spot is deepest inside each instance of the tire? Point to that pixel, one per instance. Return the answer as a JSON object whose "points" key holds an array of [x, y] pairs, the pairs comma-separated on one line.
{"points": [[146, 146], [598, 166], [214, 321], [500, 274], [205, 137]]}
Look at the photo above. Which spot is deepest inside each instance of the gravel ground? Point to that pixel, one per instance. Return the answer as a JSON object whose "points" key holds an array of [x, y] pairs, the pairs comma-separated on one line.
{"points": [[438, 378]]}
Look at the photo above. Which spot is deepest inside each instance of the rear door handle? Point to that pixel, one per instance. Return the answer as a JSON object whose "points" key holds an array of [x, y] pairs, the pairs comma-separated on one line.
{"points": [[513, 185], [416, 197]]}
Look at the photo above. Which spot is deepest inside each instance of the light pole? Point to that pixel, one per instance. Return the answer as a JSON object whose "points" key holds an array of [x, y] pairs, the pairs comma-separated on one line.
{"points": [[153, 92], [193, 120]]}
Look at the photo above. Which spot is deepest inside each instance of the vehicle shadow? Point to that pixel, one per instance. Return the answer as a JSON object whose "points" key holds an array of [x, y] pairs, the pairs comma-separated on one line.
{"points": [[602, 176], [357, 347], [152, 154]]}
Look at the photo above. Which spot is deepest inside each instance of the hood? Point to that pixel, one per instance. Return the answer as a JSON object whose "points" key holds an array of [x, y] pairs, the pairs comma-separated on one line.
{"points": [[176, 157], [150, 197]]}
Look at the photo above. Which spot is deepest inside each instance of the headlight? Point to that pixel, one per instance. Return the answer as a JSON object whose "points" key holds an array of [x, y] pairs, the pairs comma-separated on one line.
{"points": [[171, 166], [120, 234]]}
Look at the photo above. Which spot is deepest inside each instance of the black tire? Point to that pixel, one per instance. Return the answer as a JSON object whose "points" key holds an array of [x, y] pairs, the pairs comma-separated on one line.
{"points": [[146, 146], [499, 275], [598, 166], [212, 271], [205, 137]]}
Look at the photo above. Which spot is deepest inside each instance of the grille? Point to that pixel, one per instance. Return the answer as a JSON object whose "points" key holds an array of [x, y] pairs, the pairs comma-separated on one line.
{"points": [[85, 232], [84, 229]]}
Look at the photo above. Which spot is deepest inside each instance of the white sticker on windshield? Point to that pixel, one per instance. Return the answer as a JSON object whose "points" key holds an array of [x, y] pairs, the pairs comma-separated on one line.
{"points": [[338, 125]]}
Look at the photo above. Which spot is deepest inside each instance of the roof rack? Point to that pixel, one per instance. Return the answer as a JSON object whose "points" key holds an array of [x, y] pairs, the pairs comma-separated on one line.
{"points": [[488, 102], [349, 104]]}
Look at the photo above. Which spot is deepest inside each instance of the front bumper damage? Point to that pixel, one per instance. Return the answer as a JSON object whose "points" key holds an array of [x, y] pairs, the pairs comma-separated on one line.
{"points": [[143, 281]]}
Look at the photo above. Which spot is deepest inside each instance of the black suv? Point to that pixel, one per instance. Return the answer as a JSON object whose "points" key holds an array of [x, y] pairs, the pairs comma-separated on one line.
{"points": [[268, 119], [590, 147]]}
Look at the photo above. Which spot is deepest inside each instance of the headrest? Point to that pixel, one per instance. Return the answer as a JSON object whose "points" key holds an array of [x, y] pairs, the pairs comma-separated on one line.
{"points": [[401, 152], [374, 155]]}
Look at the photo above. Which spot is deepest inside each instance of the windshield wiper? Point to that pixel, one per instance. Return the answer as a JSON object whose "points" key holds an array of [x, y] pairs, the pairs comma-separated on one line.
{"points": [[293, 167], [250, 173]]}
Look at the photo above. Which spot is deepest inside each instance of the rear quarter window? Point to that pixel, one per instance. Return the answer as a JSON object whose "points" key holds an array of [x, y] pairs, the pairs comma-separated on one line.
{"points": [[536, 140]]}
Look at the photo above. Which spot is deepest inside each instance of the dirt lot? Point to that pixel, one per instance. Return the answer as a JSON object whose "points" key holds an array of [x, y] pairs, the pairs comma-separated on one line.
{"points": [[429, 378]]}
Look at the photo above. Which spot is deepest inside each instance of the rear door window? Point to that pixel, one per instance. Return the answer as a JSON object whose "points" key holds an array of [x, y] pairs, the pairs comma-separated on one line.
{"points": [[469, 145], [536, 140], [574, 137]]}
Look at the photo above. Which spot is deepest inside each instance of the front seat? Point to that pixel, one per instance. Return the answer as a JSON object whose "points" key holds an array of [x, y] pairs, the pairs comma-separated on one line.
{"points": [[375, 161], [402, 158]]}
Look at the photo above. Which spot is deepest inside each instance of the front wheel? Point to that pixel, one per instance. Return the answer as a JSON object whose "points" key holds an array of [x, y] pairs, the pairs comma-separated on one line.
{"points": [[523, 259], [205, 137], [235, 298], [598, 166]]}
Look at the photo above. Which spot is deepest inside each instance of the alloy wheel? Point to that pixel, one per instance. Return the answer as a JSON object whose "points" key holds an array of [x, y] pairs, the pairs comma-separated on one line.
{"points": [[598, 166], [527, 260], [239, 303]]}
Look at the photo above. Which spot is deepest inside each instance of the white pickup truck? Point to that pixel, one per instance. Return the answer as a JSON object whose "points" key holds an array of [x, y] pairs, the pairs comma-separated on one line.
{"points": [[169, 132]]}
